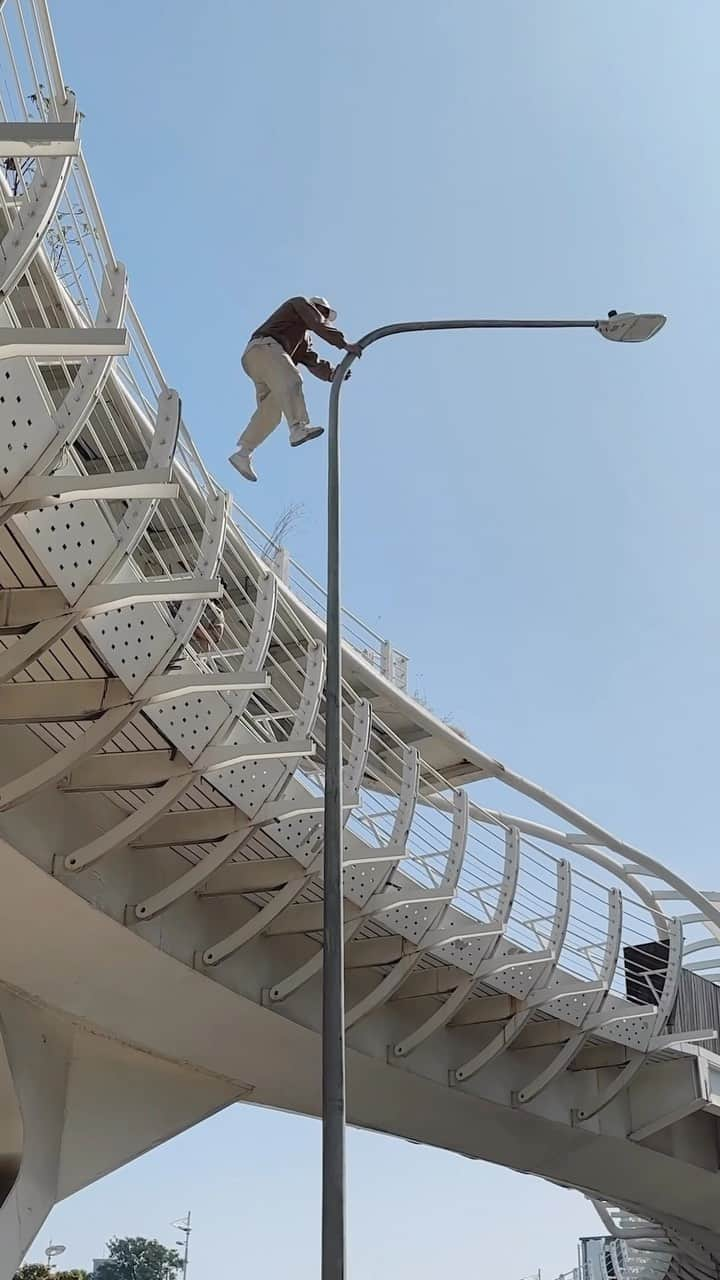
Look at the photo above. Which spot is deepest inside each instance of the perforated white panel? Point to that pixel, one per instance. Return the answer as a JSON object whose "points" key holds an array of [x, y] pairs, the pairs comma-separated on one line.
{"points": [[464, 954], [517, 981], [191, 722], [71, 540], [413, 920], [299, 836], [361, 882], [573, 1008], [132, 641], [26, 424], [633, 1031], [251, 784]]}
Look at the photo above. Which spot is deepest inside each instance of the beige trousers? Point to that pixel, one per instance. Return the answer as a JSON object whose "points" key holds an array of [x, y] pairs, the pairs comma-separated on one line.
{"points": [[279, 390]]}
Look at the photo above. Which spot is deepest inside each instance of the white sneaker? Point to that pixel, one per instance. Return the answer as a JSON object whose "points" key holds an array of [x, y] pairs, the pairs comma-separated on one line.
{"points": [[242, 462], [301, 435]]}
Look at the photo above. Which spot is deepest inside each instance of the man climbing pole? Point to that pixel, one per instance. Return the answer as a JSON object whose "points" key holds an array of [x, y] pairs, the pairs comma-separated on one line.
{"points": [[271, 361]]}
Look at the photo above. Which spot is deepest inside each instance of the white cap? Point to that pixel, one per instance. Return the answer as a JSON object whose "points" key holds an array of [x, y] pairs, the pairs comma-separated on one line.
{"points": [[323, 302]]}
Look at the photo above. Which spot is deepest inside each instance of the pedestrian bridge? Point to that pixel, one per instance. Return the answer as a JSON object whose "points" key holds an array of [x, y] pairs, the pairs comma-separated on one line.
{"points": [[523, 987]]}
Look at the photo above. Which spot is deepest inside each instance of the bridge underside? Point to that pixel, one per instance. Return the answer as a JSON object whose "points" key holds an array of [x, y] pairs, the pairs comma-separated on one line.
{"points": [[135, 1013]]}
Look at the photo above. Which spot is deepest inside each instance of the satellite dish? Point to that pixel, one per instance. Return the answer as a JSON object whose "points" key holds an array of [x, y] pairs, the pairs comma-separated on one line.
{"points": [[53, 1250]]}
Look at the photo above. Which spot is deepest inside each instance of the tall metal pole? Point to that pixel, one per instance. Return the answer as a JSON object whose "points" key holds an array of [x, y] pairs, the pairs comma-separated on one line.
{"points": [[183, 1224], [333, 988], [333, 982], [187, 1229]]}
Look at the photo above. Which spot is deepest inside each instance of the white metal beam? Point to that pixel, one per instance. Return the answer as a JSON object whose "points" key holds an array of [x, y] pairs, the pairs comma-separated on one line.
{"points": [[61, 762], [257, 875], [484, 1009], [102, 597], [196, 876], [124, 771], [17, 657], [129, 770], [597, 1057], [36, 492], [53, 345], [54, 701], [370, 953], [24, 607], [263, 919], [304, 917], [96, 600], [124, 832], [193, 826], [178, 685], [26, 139], [477, 1010]]}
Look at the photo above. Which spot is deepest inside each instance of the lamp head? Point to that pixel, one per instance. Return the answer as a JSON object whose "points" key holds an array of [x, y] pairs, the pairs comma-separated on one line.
{"points": [[627, 326]]}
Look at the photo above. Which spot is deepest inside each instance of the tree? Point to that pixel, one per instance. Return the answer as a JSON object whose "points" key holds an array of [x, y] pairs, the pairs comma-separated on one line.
{"points": [[40, 1271], [135, 1258]]}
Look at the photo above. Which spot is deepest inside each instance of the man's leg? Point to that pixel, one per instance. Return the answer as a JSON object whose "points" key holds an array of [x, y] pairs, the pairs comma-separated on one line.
{"points": [[279, 392], [285, 383], [286, 386], [264, 420], [266, 417]]}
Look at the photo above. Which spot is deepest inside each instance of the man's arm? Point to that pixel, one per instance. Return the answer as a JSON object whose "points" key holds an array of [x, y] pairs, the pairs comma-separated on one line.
{"points": [[312, 319], [322, 369]]}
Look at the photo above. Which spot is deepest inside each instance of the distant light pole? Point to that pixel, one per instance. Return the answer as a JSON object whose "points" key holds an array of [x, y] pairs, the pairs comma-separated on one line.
{"points": [[183, 1224], [53, 1251], [625, 327]]}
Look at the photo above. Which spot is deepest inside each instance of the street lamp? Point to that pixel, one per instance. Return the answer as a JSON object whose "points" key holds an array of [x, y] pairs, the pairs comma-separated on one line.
{"points": [[623, 327], [183, 1224], [629, 327], [53, 1251]]}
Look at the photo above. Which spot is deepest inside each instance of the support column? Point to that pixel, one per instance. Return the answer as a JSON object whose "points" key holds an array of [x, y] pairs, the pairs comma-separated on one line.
{"points": [[33, 1090], [77, 1103]]}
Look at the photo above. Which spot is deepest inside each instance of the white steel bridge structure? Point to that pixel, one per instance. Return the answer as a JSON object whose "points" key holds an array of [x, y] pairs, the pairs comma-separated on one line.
{"points": [[514, 985]]}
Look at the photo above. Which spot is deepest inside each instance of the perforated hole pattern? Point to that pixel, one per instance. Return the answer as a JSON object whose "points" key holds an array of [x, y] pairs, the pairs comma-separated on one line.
{"points": [[72, 539], [250, 784], [26, 427]]}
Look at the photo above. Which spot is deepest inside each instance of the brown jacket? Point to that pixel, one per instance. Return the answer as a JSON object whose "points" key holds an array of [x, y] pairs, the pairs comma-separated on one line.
{"points": [[289, 326]]}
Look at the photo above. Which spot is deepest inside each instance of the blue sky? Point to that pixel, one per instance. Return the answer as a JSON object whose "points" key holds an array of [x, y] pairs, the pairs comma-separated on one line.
{"points": [[532, 518]]}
